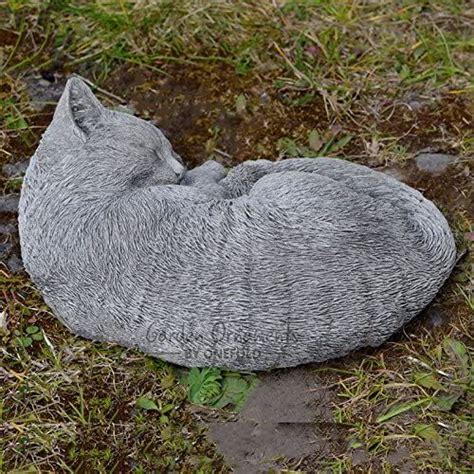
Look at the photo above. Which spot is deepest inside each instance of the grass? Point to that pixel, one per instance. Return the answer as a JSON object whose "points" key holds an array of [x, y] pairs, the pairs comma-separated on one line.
{"points": [[419, 397], [358, 45], [71, 405], [372, 81]]}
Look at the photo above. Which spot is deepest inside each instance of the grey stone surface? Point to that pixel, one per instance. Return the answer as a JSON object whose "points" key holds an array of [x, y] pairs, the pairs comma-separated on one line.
{"points": [[6, 229], [43, 92], [435, 163], [15, 169], [9, 203], [275, 264], [5, 249], [14, 264], [436, 317]]}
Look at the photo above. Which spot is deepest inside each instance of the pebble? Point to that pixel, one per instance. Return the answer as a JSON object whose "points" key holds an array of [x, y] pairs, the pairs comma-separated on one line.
{"points": [[126, 109], [435, 163], [435, 317], [42, 91], [5, 250], [9, 203], [7, 229], [15, 169], [15, 264]]}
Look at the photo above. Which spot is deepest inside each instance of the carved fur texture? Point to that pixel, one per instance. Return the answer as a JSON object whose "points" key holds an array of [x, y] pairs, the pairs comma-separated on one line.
{"points": [[273, 264]]}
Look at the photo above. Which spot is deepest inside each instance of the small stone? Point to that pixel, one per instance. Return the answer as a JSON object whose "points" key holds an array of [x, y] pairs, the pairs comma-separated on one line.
{"points": [[6, 229], [15, 264], [3, 321], [435, 163], [435, 317], [9, 203], [44, 83], [415, 105], [15, 169], [313, 51], [5, 250], [42, 91], [264, 98], [126, 109]]}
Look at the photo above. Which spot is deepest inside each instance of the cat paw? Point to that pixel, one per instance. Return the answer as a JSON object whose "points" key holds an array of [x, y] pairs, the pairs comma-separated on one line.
{"points": [[217, 170], [208, 172]]}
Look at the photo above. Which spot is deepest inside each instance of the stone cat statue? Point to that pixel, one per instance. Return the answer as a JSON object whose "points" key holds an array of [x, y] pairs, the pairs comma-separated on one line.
{"points": [[273, 264]]}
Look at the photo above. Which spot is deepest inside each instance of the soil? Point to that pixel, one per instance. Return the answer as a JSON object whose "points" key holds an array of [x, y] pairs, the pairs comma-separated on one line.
{"points": [[197, 110], [289, 413]]}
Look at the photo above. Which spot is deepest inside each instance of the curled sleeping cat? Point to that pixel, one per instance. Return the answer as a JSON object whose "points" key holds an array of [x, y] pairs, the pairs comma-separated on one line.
{"points": [[273, 264]]}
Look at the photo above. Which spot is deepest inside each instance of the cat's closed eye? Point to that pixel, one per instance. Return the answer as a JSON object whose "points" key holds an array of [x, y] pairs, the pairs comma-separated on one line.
{"points": [[140, 179]]}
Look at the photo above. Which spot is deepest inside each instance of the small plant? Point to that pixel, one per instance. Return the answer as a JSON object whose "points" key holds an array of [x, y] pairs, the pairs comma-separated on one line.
{"points": [[219, 389], [434, 390], [148, 404], [14, 119], [32, 333], [318, 145], [13, 185]]}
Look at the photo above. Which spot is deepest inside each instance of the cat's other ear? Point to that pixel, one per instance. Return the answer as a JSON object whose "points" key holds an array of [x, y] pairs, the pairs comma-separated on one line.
{"points": [[84, 108]]}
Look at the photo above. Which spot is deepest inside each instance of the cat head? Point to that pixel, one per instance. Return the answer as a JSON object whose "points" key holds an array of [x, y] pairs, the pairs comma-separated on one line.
{"points": [[97, 148]]}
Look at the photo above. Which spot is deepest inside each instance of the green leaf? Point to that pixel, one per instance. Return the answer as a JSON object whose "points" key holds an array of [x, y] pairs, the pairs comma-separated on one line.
{"points": [[233, 391], [327, 148], [314, 140], [288, 147], [456, 349], [168, 407], [164, 419], [32, 329], [25, 341], [37, 336], [341, 143], [404, 72], [243, 66], [16, 123], [427, 432], [204, 385], [427, 380], [240, 104], [354, 444], [446, 402], [399, 409], [147, 404]]}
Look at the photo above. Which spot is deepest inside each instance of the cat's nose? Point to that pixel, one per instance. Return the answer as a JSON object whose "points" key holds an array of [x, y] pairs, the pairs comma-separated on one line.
{"points": [[178, 168], [181, 174]]}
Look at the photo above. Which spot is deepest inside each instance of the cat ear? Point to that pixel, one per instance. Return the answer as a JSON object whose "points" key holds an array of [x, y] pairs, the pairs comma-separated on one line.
{"points": [[77, 113], [85, 110]]}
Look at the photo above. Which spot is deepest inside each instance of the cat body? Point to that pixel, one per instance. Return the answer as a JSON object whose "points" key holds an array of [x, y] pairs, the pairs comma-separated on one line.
{"points": [[273, 265]]}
